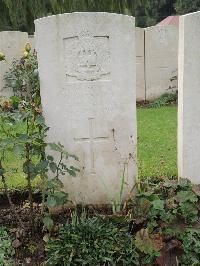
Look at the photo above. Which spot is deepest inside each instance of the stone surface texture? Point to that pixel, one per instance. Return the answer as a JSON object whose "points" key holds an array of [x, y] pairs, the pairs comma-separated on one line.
{"points": [[11, 44], [88, 88], [161, 59], [189, 97], [31, 39], [140, 75]]}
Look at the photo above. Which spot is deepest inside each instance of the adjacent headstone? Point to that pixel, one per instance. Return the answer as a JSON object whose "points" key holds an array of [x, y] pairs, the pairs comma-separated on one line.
{"points": [[88, 89], [140, 75], [189, 98], [161, 59], [11, 44]]}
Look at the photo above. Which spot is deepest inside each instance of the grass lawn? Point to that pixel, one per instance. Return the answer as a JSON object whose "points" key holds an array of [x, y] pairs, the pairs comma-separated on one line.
{"points": [[156, 146], [157, 142]]}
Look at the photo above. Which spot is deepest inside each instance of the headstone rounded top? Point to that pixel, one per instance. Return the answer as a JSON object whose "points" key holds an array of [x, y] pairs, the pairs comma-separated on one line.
{"points": [[191, 14], [88, 14]]}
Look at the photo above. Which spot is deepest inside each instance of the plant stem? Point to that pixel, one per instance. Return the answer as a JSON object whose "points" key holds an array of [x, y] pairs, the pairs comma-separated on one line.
{"points": [[29, 186], [57, 171], [44, 185]]}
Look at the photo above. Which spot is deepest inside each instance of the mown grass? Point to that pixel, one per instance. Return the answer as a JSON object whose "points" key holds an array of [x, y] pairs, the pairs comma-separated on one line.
{"points": [[157, 142], [156, 147], [13, 163]]}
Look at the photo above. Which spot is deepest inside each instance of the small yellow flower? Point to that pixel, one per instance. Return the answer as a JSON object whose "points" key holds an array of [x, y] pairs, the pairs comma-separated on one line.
{"points": [[27, 47], [2, 57], [25, 54]]}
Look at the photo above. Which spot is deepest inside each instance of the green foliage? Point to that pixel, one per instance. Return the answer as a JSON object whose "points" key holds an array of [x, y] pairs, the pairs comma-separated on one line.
{"points": [[29, 144], [172, 202], [164, 100], [169, 209], [6, 250], [23, 79], [147, 12], [187, 6], [162, 210], [92, 241], [154, 12], [191, 245]]}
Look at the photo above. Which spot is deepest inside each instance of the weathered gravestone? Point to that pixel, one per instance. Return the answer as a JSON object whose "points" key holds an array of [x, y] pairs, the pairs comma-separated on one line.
{"points": [[161, 59], [11, 44], [140, 68], [88, 90], [189, 97]]}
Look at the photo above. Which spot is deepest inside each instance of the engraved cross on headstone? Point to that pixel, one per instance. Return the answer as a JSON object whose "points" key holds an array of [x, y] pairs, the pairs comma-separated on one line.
{"points": [[92, 139]]}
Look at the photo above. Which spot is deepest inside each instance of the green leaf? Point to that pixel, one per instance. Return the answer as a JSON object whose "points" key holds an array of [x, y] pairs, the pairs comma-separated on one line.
{"points": [[71, 172], [51, 201], [48, 222], [23, 137], [53, 167], [18, 149], [29, 168], [54, 184], [184, 196], [40, 120], [41, 167], [61, 197], [50, 158], [158, 204], [7, 141], [74, 168], [55, 147], [184, 183]]}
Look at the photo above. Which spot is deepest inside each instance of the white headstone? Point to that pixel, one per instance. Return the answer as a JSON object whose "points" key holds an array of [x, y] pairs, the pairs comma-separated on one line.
{"points": [[11, 44], [161, 59], [88, 89], [189, 98], [140, 74]]}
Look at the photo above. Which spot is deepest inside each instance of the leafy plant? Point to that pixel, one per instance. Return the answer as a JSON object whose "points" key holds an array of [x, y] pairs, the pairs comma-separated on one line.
{"points": [[53, 188], [6, 250], [92, 241], [191, 246], [165, 99], [169, 209], [22, 76], [29, 143]]}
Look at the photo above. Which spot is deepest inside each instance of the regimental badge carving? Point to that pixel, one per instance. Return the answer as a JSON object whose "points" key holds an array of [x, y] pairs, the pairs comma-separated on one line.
{"points": [[87, 57]]}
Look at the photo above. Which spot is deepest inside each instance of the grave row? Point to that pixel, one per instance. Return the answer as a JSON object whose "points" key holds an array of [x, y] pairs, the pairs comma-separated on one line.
{"points": [[87, 69]]}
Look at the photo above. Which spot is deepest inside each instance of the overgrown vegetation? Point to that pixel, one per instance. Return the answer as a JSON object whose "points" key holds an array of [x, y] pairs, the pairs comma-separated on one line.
{"points": [[6, 250], [92, 241], [158, 226], [170, 211]]}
